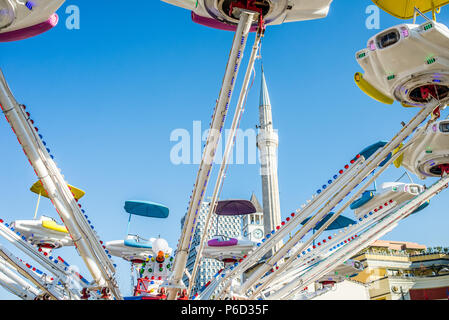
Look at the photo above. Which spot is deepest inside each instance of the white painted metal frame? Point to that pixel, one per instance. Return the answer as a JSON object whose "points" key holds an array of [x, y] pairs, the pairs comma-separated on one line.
{"points": [[85, 239], [221, 109]]}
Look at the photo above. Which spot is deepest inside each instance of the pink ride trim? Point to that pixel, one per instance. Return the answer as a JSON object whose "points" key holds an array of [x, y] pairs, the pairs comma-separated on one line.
{"points": [[212, 23], [31, 31], [218, 243]]}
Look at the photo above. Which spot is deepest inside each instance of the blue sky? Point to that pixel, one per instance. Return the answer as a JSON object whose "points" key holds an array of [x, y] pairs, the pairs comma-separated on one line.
{"points": [[106, 98]]}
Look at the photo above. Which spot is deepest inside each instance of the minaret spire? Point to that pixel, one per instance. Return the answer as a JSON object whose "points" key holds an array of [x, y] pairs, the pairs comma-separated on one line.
{"points": [[264, 96], [267, 142]]}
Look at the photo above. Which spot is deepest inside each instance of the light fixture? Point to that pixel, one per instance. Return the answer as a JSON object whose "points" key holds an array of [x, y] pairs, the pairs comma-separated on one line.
{"points": [[405, 32], [7, 14]]}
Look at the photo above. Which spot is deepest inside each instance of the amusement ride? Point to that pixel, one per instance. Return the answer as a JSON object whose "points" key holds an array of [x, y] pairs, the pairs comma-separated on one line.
{"points": [[407, 63]]}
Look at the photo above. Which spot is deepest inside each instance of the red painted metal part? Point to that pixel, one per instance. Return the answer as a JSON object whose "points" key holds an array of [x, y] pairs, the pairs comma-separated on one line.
{"points": [[142, 288], [248, 5], [441, 293], [244, 4], [444, 169]]}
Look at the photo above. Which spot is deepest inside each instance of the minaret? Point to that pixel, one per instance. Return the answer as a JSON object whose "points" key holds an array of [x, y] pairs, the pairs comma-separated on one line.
{"points": [[267, 142]]}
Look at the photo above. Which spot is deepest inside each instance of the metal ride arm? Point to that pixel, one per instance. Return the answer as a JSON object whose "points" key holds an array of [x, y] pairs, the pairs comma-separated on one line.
{"points": [[85, 239], [328, 248], [210, 287], [218, 119], [270, 278], [53, 265], [371, 165], [331, 192], [323, 267], [229, 145], [325, 248], [332, 254], [296, 220], [362, 241], [29, 274], [16, 285], [374, 162]]}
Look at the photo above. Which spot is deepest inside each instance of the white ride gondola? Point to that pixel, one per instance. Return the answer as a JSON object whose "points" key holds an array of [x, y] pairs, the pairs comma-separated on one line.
{"points": [[344, 271], [224, 14], [150, 258], [408, 63], [134, 248], [45, 232], [391, 192], [25, 19], [372, 201], [226, 249], [138, 251], [429, 155]]}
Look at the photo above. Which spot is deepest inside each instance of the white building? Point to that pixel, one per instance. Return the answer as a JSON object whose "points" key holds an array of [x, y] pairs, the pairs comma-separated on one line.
{"points": [[229, 226]]}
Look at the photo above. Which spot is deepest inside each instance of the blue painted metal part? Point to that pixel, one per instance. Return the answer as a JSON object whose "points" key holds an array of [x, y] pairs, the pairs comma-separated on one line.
{"points": [[364, 199], [135, 244], [422, 207], [370, 150], [339, 223]]}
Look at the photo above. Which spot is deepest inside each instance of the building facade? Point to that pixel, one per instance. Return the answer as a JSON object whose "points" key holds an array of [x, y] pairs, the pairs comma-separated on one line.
{"points": [[397, 270], [229, 226]]}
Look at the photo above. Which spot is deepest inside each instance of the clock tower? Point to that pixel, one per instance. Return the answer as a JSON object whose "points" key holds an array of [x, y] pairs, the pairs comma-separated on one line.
{"points": [[253, 226]]}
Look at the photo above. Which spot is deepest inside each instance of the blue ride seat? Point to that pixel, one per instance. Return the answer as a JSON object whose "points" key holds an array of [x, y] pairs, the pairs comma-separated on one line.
{"points": [[364, 199], [370, 150], [137, 244], [422, 207]]}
